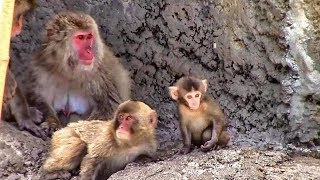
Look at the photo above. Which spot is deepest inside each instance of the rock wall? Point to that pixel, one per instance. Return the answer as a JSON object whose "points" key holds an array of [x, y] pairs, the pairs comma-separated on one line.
{"points": [[260, 58]]}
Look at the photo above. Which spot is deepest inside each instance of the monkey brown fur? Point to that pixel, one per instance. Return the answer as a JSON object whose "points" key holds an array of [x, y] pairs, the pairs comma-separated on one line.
{"points": [[15, 104], [202, 120], [111, 144], [77, 75], [10, 88]]}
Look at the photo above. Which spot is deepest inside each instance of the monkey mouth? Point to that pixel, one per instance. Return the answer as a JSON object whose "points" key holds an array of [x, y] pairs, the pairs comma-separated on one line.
{"points": [[194, 107], [86, 61], [123, 135], [87, 57]]}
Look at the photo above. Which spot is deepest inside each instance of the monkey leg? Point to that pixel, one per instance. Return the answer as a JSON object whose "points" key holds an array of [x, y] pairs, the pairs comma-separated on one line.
{"points": [[88, 166], [51, 124], [26, 116], [207, 140], [67, 151], [66, 120], [206, 135], [224, 139], [186, 140]]}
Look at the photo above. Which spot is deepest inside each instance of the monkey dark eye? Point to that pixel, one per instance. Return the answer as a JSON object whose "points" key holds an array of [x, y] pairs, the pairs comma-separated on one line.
{"points": [[81, 37], [128, 118], [89, 36], [189, 96], [197, 95]]}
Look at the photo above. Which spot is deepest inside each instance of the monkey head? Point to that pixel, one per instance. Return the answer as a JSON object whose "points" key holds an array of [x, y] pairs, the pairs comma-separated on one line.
{"points": [[76, 36], [134, 120], [189, 91]]}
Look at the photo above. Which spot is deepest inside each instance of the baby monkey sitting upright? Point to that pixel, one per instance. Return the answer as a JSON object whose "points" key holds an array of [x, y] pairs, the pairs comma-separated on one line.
{"points": [[202, 120]]}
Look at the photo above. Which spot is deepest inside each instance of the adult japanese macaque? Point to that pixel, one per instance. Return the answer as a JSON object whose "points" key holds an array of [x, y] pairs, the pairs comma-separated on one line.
{"points": [[15, 105], [104, 147], [202, 121], [77, 75]]}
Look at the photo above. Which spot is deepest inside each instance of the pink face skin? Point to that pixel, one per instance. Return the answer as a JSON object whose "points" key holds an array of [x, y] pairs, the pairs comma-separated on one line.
{"points": [[124, 129], [193, 99], [83, 42]]}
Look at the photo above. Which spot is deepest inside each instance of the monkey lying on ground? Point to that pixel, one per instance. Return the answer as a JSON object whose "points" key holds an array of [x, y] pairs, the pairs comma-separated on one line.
{"points": [[15, 105], [104, 147], [76, 75], [201, 119]]}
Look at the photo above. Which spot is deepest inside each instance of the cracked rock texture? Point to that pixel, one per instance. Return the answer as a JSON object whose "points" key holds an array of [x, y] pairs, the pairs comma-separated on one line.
{"points": [[225, 164], [21, 154], [261, 59]]}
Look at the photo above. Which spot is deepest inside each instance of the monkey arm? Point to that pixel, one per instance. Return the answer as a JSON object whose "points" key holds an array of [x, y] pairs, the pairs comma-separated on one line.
{"points": [[107, 103], [50, 117], [105, 167], [149, 149], [26, 116], [217, 127], [119, 75], [186, 135], [91, 166], [10, 87], [96, 168]]}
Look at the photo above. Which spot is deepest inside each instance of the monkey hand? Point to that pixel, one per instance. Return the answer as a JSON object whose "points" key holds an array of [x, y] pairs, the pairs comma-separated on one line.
{"points": [[143, 159], [54, 175], [36, 115], [51, 124], [209, 145], [29, 123], [185, 150]]}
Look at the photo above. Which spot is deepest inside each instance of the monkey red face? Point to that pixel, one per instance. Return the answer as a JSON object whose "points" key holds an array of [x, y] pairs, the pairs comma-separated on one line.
{"points": [[125, 122], [83, 42], [193, 98]]}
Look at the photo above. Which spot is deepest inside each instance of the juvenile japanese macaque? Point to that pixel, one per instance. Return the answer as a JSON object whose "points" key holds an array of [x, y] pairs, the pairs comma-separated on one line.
{"points": [[104, 147], [77, 75], [201, 119], [15, 105]]}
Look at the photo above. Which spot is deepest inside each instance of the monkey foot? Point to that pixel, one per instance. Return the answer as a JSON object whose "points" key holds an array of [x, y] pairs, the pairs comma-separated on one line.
{"points": [[28, 123], [51, 125], [57, 175], [34, 129], [146, 159], [204, 148], [184, 150]]}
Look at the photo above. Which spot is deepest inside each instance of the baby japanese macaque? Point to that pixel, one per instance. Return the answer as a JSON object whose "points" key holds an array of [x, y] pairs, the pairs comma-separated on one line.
{"points": [[104, 147], [202, 120]]}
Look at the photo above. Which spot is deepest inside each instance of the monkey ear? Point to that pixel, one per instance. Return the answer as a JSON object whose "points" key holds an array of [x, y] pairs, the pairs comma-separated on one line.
{"points": [[173, 90], [205, 84], [50, 31], [154, 118]]}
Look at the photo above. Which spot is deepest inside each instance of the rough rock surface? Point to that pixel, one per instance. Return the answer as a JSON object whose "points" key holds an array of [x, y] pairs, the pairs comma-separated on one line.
{"points": [[21, 154], [245, 163], [260, 57], [255, 55]]}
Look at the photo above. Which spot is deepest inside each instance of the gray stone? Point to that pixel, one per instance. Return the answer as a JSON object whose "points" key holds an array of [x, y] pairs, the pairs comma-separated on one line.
{"points": [[261, 59]]}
